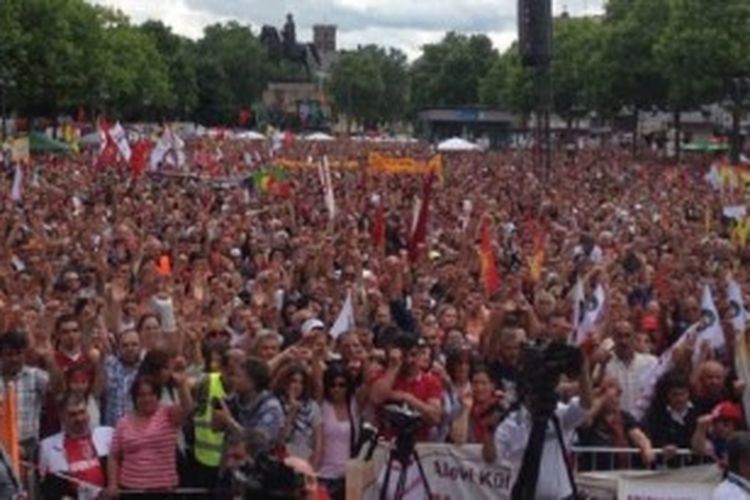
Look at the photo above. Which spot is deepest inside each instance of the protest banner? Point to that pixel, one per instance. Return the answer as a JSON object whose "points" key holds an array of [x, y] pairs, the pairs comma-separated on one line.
{"points": [[380, 163], [453, 473], [19, 150]]}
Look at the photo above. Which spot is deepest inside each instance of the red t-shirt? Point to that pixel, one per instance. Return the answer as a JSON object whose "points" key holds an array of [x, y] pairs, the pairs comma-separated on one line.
{"points": [[424, 387], [83, 460]]}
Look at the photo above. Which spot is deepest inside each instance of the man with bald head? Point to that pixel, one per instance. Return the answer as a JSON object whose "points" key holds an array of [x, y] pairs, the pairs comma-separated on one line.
{"points": [[628, 366]]}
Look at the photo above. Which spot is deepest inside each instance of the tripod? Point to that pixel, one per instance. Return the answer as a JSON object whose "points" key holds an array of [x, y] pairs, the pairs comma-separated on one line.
{"points": [[526, 482], [404, 453]]}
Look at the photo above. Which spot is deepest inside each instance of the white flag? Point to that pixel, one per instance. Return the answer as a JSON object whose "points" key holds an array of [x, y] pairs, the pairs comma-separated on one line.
{"points": [[710, 327], [120, 138], [17, 189], [345, 321], [579, 306], [588, 311], [737, 307], [328, 186], [651, 378]]}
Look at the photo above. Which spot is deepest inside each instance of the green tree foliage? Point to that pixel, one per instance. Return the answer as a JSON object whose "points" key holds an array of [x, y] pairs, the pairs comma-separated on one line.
{"points": [[371, 85], [448, 73]]}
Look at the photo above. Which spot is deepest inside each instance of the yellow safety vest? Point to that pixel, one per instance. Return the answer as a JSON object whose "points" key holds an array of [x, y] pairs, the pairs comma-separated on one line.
{"points": [[208, 443]]}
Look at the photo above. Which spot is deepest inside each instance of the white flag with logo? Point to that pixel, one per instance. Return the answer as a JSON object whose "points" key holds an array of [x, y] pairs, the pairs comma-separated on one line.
{"points": [[588, 311], [710, 326], [345, 321], [736, 306]]}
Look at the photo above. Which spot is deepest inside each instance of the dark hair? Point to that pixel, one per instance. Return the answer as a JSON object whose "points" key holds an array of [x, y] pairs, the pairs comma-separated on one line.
{"points": [[283, 379], [454, 359], [65, 318], [405, 342], [146, 316], [69, 399], [257, 370], [153, 362], [14, 340], [333, 372], [210, 348], [143, 379]]}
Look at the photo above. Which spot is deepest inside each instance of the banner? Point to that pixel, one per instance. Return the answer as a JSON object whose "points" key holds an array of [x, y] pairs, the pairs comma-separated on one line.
{"points": [[644, 489], [334, 164], [392, 165], [453, 473]]}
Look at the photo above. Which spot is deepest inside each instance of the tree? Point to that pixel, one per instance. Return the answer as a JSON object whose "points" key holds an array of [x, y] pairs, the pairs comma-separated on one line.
{"points": [[357, 86], [448, 73], [629, 73], [179, 54], [232, 71], [703, 51]]}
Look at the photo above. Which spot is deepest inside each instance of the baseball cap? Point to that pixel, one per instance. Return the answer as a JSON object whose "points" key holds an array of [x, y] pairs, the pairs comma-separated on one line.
{"points": [[728, 411], [310, 325]]}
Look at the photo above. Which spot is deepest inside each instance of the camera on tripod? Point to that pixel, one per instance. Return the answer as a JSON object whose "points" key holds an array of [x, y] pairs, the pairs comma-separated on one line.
{"points": [[542, 365]]}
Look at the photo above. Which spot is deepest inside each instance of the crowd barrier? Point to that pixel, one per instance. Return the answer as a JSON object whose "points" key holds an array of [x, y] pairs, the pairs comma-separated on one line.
{"points": [[592, 458]]}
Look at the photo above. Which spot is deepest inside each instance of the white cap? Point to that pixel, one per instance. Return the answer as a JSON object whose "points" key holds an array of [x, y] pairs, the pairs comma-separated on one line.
{"points": [[310, 325]]}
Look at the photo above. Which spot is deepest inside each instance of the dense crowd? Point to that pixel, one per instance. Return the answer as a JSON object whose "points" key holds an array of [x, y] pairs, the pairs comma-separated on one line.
{"points": [[176, 326]]}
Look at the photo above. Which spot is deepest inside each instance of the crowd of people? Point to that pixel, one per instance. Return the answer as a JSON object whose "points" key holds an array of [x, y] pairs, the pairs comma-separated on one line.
{"points": [[164, 331]]}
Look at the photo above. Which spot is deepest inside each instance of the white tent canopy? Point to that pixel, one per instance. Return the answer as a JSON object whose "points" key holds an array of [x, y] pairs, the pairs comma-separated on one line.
{"points": [[251, 135], [458, 144], [318, 136]]}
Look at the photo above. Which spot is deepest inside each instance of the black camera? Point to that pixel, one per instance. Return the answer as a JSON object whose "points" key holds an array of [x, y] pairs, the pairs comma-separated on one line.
{"points": [[542, 365], [267, 478], [402, 419]]}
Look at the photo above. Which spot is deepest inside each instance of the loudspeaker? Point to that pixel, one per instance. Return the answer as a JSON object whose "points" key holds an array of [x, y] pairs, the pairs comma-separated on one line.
{"points": [[535, 32]]}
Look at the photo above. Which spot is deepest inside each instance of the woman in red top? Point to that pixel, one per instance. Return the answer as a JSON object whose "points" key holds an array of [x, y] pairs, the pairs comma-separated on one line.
{"points": [[144, 446]]}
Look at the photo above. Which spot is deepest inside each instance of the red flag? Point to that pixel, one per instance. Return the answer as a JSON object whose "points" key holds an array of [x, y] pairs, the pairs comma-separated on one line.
{"points": [[378, 227], [139, 157], [419, 236], [107, 147], [490, 276], [81, 118]]}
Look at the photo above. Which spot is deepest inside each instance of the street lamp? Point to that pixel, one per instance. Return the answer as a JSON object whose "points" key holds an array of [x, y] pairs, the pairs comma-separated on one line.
{"points": [[739, 92], [6, 82]]}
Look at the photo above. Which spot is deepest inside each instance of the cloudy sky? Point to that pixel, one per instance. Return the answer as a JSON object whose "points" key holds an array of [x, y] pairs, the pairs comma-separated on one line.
{"points": [[406, 24]]}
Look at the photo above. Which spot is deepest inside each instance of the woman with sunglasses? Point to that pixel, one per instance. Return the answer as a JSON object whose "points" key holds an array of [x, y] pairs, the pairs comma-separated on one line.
{"points": [[340, 417], [301, 432]]}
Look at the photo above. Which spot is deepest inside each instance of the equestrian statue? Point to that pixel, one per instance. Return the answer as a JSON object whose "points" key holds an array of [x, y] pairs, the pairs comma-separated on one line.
{"points": [[286, 46]]}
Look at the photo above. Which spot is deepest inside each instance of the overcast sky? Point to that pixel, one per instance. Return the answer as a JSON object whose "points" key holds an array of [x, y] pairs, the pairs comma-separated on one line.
{"points": [[406, 24]]}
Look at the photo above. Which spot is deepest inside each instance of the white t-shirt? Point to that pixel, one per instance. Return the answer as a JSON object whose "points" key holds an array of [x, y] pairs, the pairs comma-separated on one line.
{"points": [[512, 436], [630, 377]]}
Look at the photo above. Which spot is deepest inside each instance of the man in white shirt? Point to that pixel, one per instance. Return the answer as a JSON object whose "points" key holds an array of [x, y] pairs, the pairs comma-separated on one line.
{"points": [[627, 366], [736, 485], [513, 434]]}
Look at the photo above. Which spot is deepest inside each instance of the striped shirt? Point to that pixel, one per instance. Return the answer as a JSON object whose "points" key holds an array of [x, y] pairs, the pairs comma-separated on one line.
{"points": [[146, 451]]}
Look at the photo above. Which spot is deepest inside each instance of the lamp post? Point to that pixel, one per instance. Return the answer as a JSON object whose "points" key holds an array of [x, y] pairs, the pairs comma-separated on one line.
{"points": [[740, 90], [6, 82]]}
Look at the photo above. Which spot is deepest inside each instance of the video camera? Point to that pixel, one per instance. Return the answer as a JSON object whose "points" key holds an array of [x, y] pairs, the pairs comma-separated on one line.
{"points": [[542, 365]]}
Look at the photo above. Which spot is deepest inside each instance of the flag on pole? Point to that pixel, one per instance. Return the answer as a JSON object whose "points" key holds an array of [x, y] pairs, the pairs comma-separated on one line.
{"points": [[709, 329], [16, 191], [141, 150], [663, 365], [589, 311], [537, 259], [328, 189], [419, 235], [9, 426], [120, 138], [490, 275], [107, 148], [378, 226], [345, 320], [736, 306]]}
